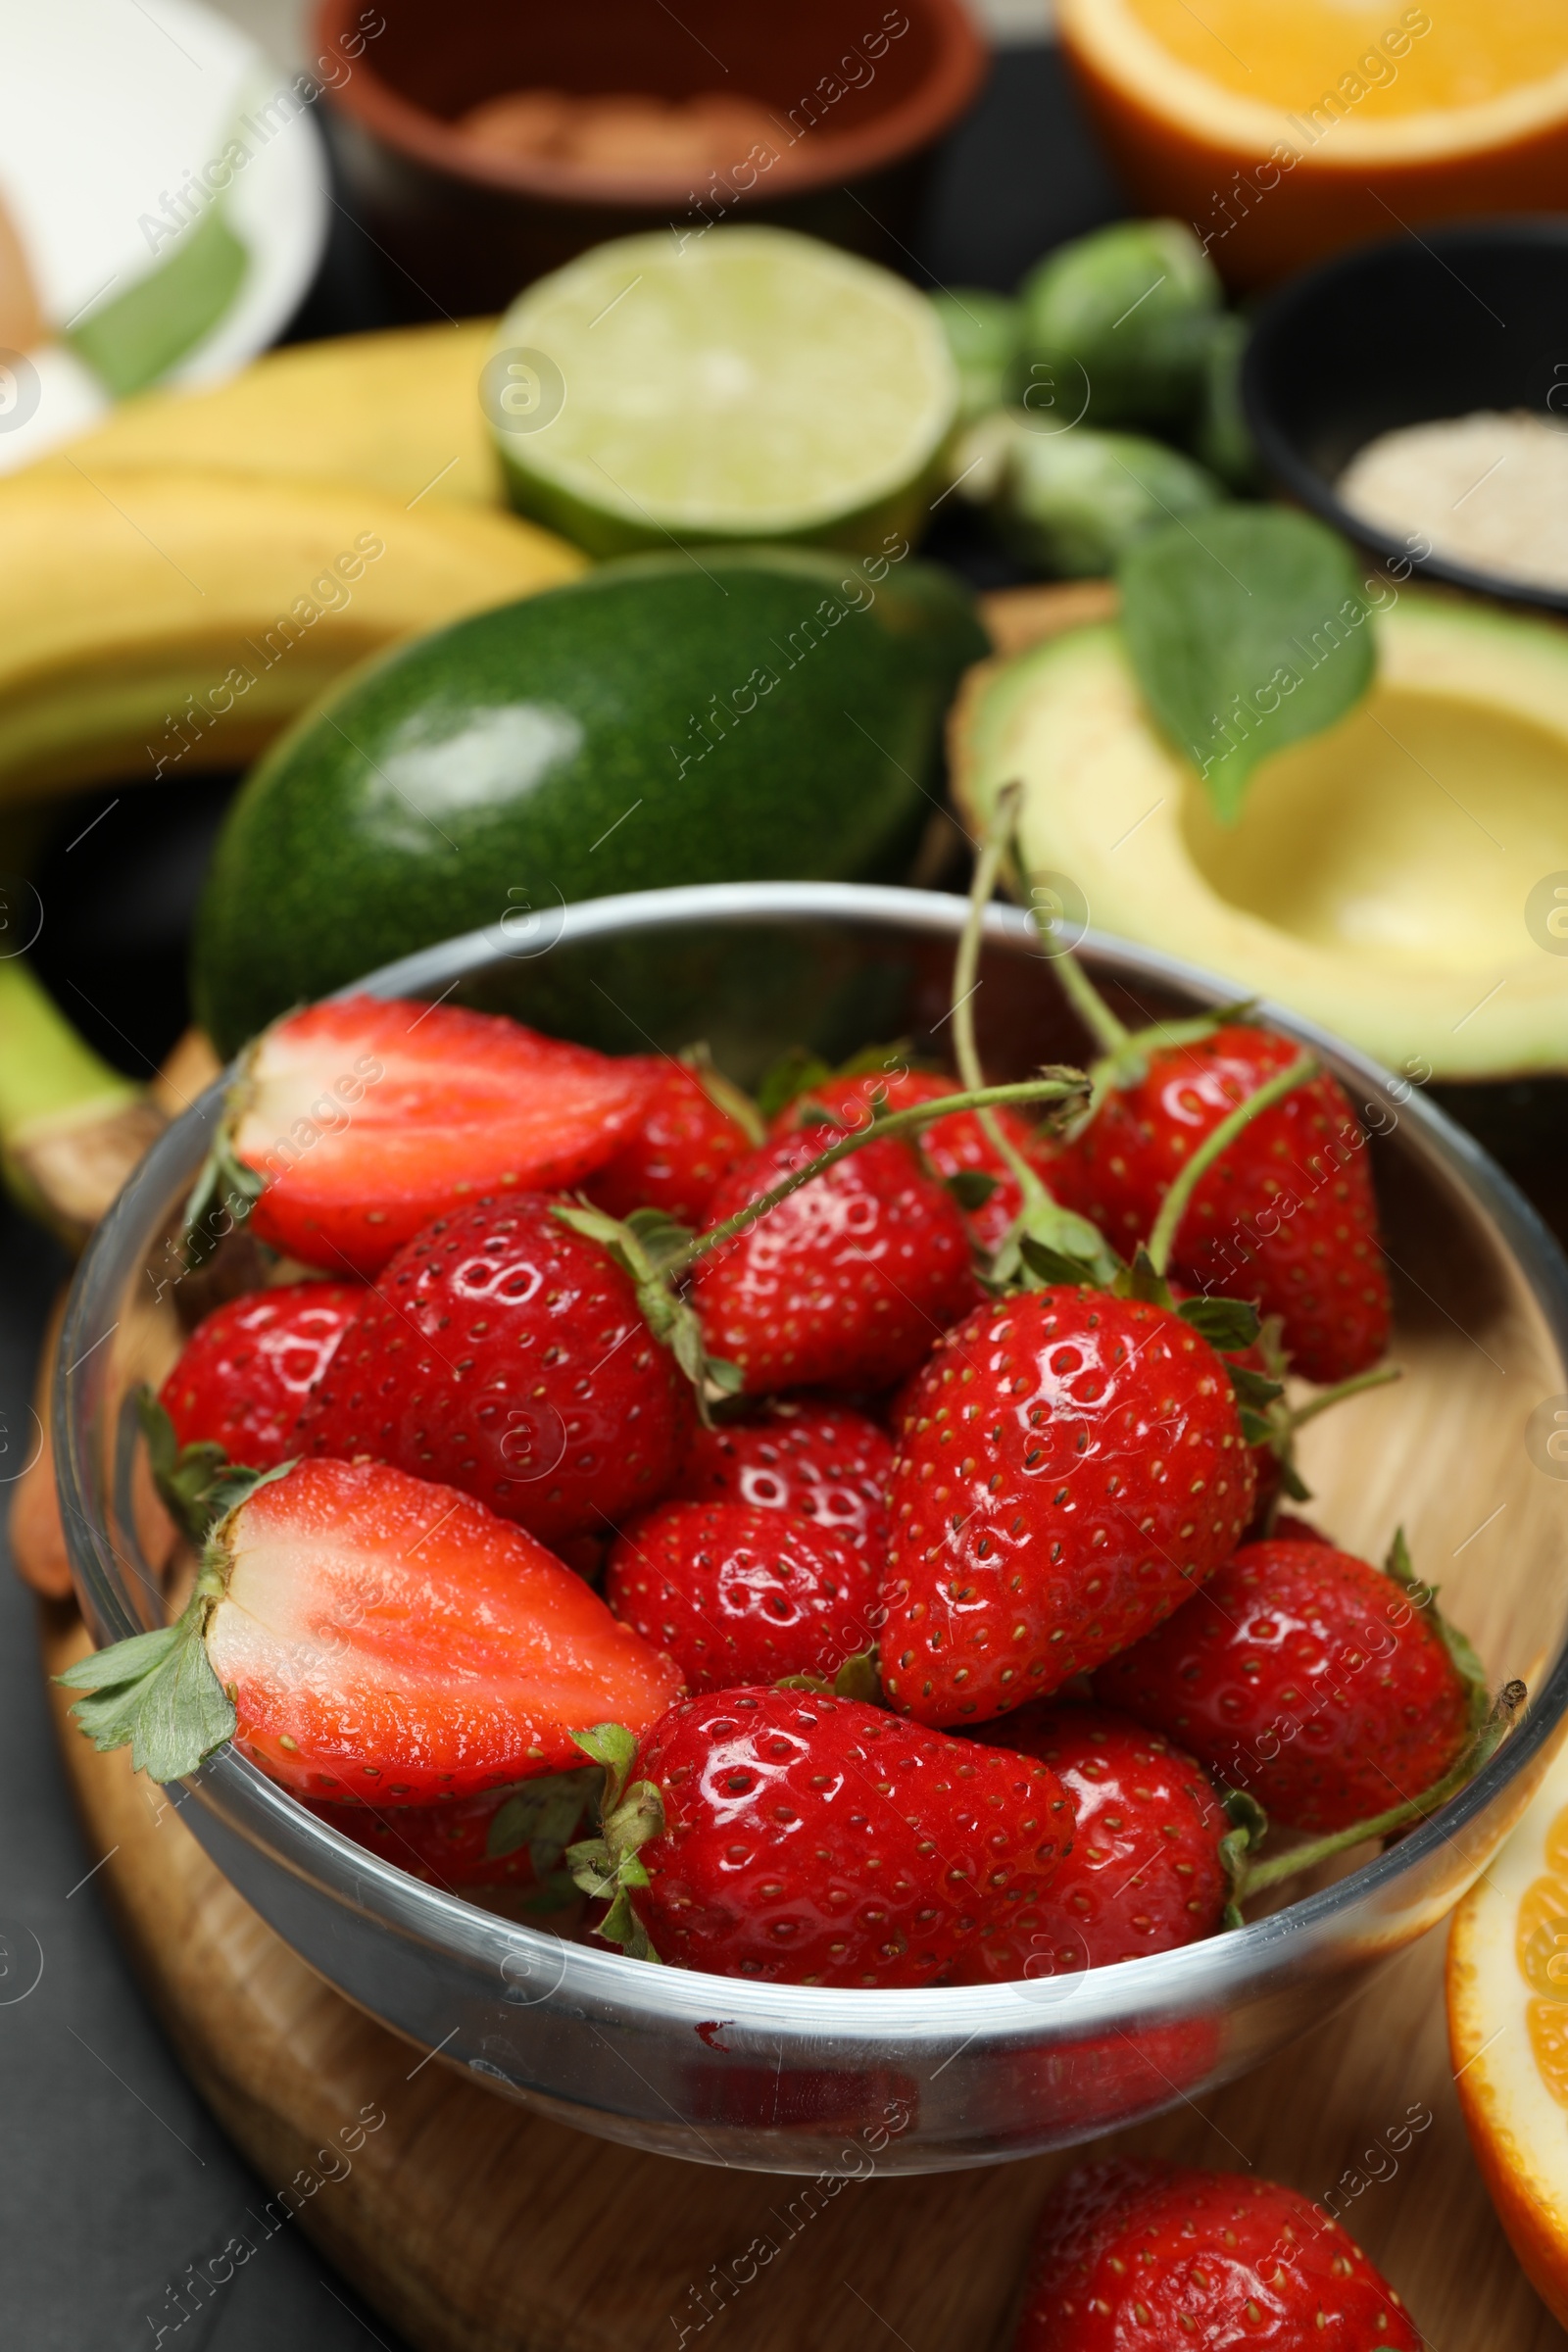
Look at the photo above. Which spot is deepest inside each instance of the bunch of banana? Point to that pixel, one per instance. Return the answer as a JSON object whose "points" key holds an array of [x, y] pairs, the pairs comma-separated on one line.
{"points": [[175, 587]]}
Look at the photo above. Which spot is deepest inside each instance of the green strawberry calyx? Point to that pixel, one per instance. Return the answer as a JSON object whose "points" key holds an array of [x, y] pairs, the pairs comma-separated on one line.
{"points": [[157, 1692], [544, 1815], [197, 1483], [607, 1867], [1246, 1833], [857, 1678]]}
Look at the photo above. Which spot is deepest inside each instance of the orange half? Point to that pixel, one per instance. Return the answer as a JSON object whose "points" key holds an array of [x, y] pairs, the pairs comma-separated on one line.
{"points": [[1285, 132], [1509, 2033]]}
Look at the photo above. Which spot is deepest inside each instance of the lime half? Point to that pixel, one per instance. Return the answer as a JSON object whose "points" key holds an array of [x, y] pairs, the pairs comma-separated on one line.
{"points": [[745, 384]]}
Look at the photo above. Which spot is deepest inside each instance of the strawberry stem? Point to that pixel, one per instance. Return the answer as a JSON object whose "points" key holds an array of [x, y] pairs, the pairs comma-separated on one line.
{"points": [[1055, 1085], [1254, 1877], [1111, 1034], [1041, 1218], [1379, 1377], [1215, 1146]]}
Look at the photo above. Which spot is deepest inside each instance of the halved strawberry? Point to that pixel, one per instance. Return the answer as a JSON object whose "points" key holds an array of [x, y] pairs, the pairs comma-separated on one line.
{"points": [[359, 1120], [248, 1368], [359, 1632]]}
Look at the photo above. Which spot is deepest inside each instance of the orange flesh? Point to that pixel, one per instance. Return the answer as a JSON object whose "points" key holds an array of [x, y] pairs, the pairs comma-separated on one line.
{"points": [[1541, 1946], [1291, 52]]}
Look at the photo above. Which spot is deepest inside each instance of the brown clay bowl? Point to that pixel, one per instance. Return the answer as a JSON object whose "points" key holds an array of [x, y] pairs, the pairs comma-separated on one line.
{"points": [[858, 91]]}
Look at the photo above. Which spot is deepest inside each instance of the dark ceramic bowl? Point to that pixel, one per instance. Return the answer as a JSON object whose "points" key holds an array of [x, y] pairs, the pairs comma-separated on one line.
{"points": [[858, 91], [1474, 316]]}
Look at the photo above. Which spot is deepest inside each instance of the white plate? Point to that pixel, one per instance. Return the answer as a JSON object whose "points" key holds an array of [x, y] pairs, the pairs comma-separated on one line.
{"points": [[109, 111]]}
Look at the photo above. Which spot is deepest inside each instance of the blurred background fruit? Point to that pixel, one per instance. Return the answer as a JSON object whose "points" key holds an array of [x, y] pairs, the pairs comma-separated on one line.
{"points": [[1284, 133]]}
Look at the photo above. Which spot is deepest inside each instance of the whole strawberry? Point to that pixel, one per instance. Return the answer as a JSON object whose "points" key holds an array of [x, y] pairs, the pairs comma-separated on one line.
{"points": [[684, 1143], [735, 1594], [365, 1637], [953, 1147], [1070, 1468], [822, 1842], [1130, 2252], [1308, 1676], [359, 1120], [1287, 1217], [505, 1353], [845, 1283], [248, 1368], [1146, 1871], [822, 1462], [510, 1838]]}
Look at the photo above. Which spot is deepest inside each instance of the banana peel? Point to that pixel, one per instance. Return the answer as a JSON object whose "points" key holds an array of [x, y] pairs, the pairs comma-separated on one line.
{"points": [[156, 622], [398, 409]]}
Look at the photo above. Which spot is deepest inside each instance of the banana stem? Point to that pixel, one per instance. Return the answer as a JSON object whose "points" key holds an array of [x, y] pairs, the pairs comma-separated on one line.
{"points": [[1053, 1086], [46, 1071], [1213, 1147], [70, 1127]]}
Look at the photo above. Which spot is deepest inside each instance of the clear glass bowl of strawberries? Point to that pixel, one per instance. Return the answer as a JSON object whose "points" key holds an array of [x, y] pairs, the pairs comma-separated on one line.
{"points": [[786, 1517]]}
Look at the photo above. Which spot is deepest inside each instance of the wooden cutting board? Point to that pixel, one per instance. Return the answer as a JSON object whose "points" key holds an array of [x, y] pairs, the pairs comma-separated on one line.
{"points": [[476, 2226]]}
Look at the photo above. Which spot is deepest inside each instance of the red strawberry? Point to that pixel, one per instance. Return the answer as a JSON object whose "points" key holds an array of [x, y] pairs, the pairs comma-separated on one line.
{"points": [[824, 1461], [950, 1146], [738, 1594], [1307, 1677], [366, 1119], [511, 1837], [248, 1368], [360, 1634], [1146, 1872], [1070, 1466], [1286, 1217], [1130, 2252], [846, 1283], [505, 1355], [683, 1144], [821, 1842]]}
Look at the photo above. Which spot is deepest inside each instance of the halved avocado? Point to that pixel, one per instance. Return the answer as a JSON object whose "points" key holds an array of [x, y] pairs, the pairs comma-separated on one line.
{"points": [[1392, 878]]}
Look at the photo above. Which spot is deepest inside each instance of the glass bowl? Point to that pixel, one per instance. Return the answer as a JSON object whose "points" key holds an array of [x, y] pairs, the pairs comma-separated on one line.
{"points": [[1468, 1450]]}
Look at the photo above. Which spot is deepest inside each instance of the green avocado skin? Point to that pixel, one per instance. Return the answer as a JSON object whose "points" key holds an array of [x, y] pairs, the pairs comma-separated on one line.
{"points": [[763, 713]]}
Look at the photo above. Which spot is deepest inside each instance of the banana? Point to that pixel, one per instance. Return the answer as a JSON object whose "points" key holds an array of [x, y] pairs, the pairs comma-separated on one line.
{"points": [[399, 409], [157, 622]]}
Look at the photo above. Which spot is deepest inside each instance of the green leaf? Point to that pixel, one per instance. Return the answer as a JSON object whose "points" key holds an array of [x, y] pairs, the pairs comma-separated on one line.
{"points": [[795, 1073], [971, 1188], [224, 1188], [1053, 1267], [198, 1483], [157, 1693], [613, 1746], [660, 1238], [1252, 1388], [1226, 1324], [1141, 1280], [1247, 630], [543, 1815]]}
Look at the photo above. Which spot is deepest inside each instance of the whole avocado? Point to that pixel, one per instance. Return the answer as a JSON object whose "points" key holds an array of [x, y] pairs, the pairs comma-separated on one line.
{"points": [[763, 713]]}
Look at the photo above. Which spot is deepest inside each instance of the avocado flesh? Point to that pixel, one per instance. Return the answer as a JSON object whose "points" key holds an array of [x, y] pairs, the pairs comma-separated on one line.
{"points": [[1378, 878]]}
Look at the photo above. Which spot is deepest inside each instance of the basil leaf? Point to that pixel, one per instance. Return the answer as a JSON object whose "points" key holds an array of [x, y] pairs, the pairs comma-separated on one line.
{"points": [[1247, 630]]}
